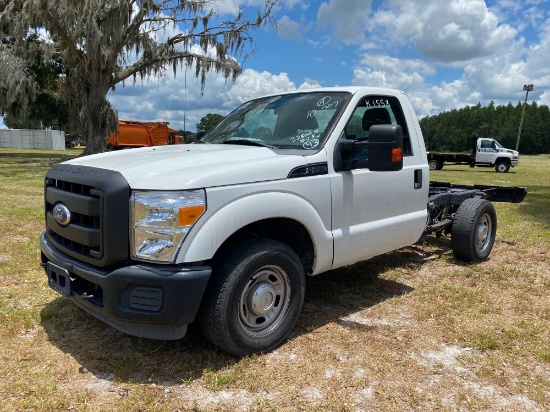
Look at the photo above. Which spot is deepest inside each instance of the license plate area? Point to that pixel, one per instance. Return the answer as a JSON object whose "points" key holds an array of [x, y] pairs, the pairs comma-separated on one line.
{"points": [[59, 279]]}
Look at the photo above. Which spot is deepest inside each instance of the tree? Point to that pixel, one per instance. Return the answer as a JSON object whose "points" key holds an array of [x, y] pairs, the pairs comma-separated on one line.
{"points": [[450, 131], [103, 43], [46, 107], [209, 121]]}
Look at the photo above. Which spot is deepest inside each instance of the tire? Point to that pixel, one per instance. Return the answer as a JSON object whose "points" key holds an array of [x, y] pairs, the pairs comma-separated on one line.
{"points": [[254, 296], [474, 230], [433, 164], [502, 167]]}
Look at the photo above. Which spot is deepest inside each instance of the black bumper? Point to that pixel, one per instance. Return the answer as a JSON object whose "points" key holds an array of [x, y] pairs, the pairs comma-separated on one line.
{"points": [[146, 300]]}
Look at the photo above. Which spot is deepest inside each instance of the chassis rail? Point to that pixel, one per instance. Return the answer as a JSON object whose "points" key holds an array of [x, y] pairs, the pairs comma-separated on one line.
{"points": [[444, 199]]}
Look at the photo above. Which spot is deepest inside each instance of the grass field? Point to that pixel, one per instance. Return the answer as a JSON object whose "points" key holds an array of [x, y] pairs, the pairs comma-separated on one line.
{"points": [[411, 330]]}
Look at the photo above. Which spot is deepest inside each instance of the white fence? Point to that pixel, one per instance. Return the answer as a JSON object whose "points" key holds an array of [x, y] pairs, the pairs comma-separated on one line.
{"points": [[32, 139]]}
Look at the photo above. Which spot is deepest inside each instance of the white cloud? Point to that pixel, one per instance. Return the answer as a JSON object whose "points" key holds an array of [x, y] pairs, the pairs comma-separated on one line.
{"points": [[289, 29], [386, 71], [448, 32], [252, 84], [463, 37], [347, 18]]}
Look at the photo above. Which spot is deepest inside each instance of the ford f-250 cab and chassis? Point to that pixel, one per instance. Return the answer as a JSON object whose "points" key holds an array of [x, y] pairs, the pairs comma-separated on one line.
{"points": [[224, 231]]}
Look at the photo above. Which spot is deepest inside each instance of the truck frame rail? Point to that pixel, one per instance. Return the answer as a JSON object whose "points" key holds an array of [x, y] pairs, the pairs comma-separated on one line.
{"points": [[445, 198]]}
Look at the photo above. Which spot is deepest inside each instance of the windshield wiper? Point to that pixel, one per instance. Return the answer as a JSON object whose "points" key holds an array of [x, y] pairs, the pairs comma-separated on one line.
{"points": [[246, 142]]}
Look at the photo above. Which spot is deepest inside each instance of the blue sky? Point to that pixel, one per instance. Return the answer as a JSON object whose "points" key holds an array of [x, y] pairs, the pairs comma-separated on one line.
{"points": [[443, 54]]}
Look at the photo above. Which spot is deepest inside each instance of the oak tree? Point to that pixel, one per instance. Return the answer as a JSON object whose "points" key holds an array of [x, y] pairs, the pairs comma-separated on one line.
{"points": [[102, 43]]}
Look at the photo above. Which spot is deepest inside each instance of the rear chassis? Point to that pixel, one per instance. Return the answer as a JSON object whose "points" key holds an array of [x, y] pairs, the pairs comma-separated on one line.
{"points": [[445, 198]]}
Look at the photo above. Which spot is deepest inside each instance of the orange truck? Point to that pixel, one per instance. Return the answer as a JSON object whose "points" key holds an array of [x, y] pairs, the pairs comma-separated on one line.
{"points": [[141, 134]]}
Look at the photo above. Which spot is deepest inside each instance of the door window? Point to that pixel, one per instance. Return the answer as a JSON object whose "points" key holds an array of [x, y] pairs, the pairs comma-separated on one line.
{"points": [[376, 110]]}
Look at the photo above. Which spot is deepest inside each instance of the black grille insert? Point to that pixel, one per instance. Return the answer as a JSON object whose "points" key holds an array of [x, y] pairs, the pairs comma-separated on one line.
{"points": [[98, 203]]}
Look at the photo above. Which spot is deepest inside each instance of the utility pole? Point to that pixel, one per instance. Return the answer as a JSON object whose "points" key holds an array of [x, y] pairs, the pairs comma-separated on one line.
{"points": [[526, 88], [185, 98]]}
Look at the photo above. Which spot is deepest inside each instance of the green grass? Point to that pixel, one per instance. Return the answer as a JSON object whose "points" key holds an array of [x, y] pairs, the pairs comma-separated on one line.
{"points": [[376, 335]]}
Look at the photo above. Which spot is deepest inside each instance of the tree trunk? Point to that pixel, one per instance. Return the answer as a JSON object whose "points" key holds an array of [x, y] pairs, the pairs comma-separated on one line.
{"points": [[99, 118]]}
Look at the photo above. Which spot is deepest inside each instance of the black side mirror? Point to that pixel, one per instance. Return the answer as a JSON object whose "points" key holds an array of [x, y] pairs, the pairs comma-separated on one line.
{"points": [[387, 151]]}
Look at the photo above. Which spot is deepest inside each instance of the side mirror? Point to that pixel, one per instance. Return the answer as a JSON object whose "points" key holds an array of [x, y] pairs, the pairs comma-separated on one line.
{"points": [[386, 153], [385, 150]]}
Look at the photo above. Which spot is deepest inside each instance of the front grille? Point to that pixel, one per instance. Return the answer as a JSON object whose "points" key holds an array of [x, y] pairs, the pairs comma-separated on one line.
{"points": [[98, 203]]}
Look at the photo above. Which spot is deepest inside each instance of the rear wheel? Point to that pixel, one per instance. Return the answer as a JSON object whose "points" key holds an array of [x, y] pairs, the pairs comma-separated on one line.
{"points": [[474, 230], [502, 167], [435, 164], [254, 297]]}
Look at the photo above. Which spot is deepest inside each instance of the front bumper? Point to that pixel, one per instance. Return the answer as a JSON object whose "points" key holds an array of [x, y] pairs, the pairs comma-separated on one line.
{"points": [[147, 300], [514, 162]]}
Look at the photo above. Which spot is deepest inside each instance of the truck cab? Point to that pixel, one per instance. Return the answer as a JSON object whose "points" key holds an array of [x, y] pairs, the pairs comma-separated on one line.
{"points": [[485, 153], [490, 153]]}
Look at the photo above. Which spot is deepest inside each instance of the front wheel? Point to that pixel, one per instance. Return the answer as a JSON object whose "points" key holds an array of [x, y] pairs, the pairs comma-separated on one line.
{"points": [[474, 230], [502, 167], [254, 297]]}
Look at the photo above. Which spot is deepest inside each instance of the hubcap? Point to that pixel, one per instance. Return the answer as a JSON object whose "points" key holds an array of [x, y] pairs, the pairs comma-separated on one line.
{"points": [[483, 232], [264, 301], [261, 299]]}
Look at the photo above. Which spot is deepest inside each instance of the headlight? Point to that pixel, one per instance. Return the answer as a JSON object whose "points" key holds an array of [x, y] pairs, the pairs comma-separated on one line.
{"points": [[161, 220]]}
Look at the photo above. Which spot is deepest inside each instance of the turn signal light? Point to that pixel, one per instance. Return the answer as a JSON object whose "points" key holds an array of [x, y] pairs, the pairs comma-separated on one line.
{"points": [[396, 155]]}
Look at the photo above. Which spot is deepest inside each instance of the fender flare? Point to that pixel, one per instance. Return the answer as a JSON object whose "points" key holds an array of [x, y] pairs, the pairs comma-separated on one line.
{"points": [[503, 159], [204, 240]]}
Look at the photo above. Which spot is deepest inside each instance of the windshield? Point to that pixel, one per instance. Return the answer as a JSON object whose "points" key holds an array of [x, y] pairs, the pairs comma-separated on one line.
{"points": [[498, 145], [291, 121]]}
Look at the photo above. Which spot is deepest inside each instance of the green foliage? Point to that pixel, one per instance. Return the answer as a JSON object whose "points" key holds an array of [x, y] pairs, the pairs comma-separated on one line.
{"points": [[209, 121], [102, 43], [451, 131], [46, 108]]}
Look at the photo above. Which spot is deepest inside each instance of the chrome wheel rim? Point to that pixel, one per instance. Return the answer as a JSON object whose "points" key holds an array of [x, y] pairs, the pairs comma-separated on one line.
{"points": [[264, 301]]}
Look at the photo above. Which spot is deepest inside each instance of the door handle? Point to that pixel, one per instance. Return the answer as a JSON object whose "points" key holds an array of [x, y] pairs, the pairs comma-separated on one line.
{"points": [[418, 179]]}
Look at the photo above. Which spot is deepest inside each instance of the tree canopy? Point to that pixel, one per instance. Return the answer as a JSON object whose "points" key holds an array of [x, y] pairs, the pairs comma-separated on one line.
{"points": [[102, 43], [209, 121], [451, 131], [46, 107]]}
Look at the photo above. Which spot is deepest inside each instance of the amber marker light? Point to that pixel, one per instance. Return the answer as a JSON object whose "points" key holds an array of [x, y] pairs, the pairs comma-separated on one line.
{"points": [[396, 155], [190, 214]]}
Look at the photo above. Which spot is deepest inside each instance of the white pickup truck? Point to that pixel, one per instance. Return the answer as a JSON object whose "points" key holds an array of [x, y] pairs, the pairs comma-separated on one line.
{"points": [[224, 231]]}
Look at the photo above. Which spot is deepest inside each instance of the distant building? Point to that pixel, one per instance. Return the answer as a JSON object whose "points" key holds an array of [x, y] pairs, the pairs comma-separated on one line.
{"points": [[32, 139]]}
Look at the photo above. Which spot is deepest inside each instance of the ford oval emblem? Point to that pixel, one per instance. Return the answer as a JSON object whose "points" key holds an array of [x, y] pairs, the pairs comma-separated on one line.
{"points": [[62, 214]]}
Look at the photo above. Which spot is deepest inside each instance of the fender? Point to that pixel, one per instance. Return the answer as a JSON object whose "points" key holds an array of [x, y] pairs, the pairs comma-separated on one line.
{"points": [[205, 239]]}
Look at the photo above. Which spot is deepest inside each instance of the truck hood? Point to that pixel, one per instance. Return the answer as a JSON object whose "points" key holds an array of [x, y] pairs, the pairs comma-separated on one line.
{"points": [[194, 165]]}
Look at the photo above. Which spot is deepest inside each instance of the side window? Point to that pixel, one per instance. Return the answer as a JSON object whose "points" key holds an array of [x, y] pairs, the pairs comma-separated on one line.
{"points": [[375, 110], [486, 144]]}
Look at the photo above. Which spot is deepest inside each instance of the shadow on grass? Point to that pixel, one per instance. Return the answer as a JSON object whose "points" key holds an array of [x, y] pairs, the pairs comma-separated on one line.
{"points": [[536, 205], [104, 351]]}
